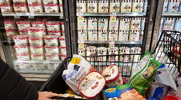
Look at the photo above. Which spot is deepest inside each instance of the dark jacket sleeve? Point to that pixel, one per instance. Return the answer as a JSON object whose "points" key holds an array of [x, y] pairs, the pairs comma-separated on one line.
{"points": [[13, 86]]}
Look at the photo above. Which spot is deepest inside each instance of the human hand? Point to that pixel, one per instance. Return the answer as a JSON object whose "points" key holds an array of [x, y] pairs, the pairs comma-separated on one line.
{"points": [[46, 95]]}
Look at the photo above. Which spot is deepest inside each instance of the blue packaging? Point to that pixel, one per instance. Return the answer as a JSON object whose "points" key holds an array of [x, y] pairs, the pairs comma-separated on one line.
{"points": [[168, 24], [177, 25], [143, 24], [145, 6], [180, 7], [165, 6], [173, 7]]}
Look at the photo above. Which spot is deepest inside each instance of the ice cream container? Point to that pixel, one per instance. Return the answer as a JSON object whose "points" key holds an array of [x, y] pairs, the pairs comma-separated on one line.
{"points": [[38, 23], [113, 51], [63, 51], [135, 23], [113, 25], [143, 23], [63, 57], [135, 50], [92, 35], [21, 40], [134, 35], [23, 32], [145, 6], [126, 6], [53, 25], [10, 24], [168, 24], [36, 50], [51, 8], [20, 8], [101, 51], [124, 24], [113, 35], [62, 26], [50, 1], [22, 49], [92, 6], [141, 35], [19, 2], [103, 6], [23, 25], [81, 6], [34, 2], [123, 35], [177, 24], [37, 57], [92, 23], [35, 32], [36, 42], [35, 8], [58, 33], [62, 42], [91, 51], [11, 32], [82, 34], [123, 51], [82, 25], [82, 51], [92, 84], [165, 6], [173, 6], [137, 6], [102, 35], [112, 76], [114, 6], [52, 57], [6, 8], [61, 8], [23, 56], [103, 24], [52, 50], [2, 2], [51, 40]]}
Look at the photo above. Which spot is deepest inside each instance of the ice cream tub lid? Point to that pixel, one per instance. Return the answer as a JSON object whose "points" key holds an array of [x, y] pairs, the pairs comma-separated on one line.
{"points": [[35, 29], [51, 47], [92, 84], [21, 46], [51, 37], [20, 37], [34, 5], [35, 38], [21, 5]]}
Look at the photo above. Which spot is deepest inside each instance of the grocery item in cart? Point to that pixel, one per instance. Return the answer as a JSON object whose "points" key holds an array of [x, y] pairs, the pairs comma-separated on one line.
{"points": [[71, 96], [50, 2], [143, 75], [92, 35], [112, 76], [113, 51], [36, 42], [62, 57], [92, 84], [165, 6], [92, 6], [124, 51], [103, 24], [82, 25], [123, 35], [135, 50], [126, 6], [137, 6], [9, 24], [53, 25], [37, 56], [22, 49], [114, 6], [168, 24], [82, 35], [20, 8], [121, 92], [36, 50], [102, 35], [62, 42], [92, 23], [11, 32], [35, 8], [173, 6], [6, 8], [81, 6], [23, 56], [103, 6], [52, 50], [124, 24], [134, 35], [82, 51], [19, 2], [23, 24], [63, 51], [2, 2], [23, 32], [51, 8], [135, 23], [52, 57], [113, 25], [51, 40], [34, 2], [21, 40], [113, 35], [35, 32], [91, 51], [101, 51]]}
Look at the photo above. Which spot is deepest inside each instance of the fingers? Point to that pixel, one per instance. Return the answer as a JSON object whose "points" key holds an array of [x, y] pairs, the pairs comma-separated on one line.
{"points": [[50, 94]]}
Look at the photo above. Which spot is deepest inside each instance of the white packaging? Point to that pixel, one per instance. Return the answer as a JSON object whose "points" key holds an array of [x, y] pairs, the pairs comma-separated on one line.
{"points": [[6, 8], [35, 8], [62, 26], [23, 32], [113, 25], [135, 23], [50, 1], [51, 40], [82, 35], [103, 24], [113, 51], [34, 2], [102, 35], [92, 6], [51, 8], [11, 33], [135, 50], [21, 40], [137, 6], [22, 49], [126, 6], [38, 23], [10, 24], [91, 51], [52, 50], [54, 33], [114, 6], [52, 57], [19, 2], [63, 51], [53, 25], [35, 32], [82, 25], [81, 6], [123, 51], [92, 35], [62, 35], [101, 51], [103, 6], [20, 8], [61, 8], [2, 2], [62, 42], [113, 35], [36, 42], [37, 57], [123, 35], [23, 56], [82, 51], [36, 50], [124, 24], [63, 57], [92, 23], [23, 25], [134, 35]]}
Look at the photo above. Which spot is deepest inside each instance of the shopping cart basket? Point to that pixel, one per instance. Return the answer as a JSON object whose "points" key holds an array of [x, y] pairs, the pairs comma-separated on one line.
{"points": [[164, 53]]}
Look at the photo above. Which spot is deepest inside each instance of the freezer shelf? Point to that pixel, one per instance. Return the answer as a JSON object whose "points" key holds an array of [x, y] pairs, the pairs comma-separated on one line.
{"points": [[110, 14], [171, 14], [107, 42], [33, 14], [37, 61]]}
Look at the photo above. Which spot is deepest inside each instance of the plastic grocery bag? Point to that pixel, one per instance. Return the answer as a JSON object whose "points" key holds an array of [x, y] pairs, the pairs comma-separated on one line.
{"points": [[143, 75], [75, 71]]}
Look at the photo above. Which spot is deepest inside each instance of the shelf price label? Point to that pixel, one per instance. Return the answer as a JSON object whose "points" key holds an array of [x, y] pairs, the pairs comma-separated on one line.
{"points": [[31, 16], [61, 15], [16, 16], [81, 45], [113, 17], [80, 18], [111, 43]]}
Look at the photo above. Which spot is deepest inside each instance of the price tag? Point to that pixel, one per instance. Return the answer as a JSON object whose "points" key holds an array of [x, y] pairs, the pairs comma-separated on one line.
{"points": [[80, 19], [16, 16], [111, 43], [75, 60], [113, 19], [61, 15], [31, 16], [80, 41], [81, 45]]}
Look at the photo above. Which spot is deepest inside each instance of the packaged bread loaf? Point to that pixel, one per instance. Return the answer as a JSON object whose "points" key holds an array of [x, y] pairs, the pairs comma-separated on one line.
{"points": [[92, 23], [62, 42], [20, 8], [82, 35], [36, 42], [81, 6], [22, 49], [9, 24], [102, 35], [51, 8], [137, 6], [123, 52], [123, 35], [11, 32], [5, 2], [23, 24], [113, 35], [19, 2], [21, 40], [53, 25], [52, 57], [52, 50], [34, 2], [51, 40], [134, 35], [35, 8], [23, 56], [36, 50], [126, 6], [114, 6], [113, 51], [50, 1], [92, 6], [37, 56], [35, 32], [91, 52], [103, 24], [92, 35], [101, 51], [103, 6], [6, 8], [63, 51], [82, 51]]}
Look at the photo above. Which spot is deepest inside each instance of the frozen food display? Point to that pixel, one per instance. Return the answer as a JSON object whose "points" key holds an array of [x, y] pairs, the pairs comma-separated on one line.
{"points": [[11, 32], [62, 42], [113, 51], [23, 56], [114, 6], [63, 51]]}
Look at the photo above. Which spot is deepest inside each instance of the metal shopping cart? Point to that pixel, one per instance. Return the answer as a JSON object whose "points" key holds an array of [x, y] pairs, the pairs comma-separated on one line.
{"points": [[167, 51]]}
